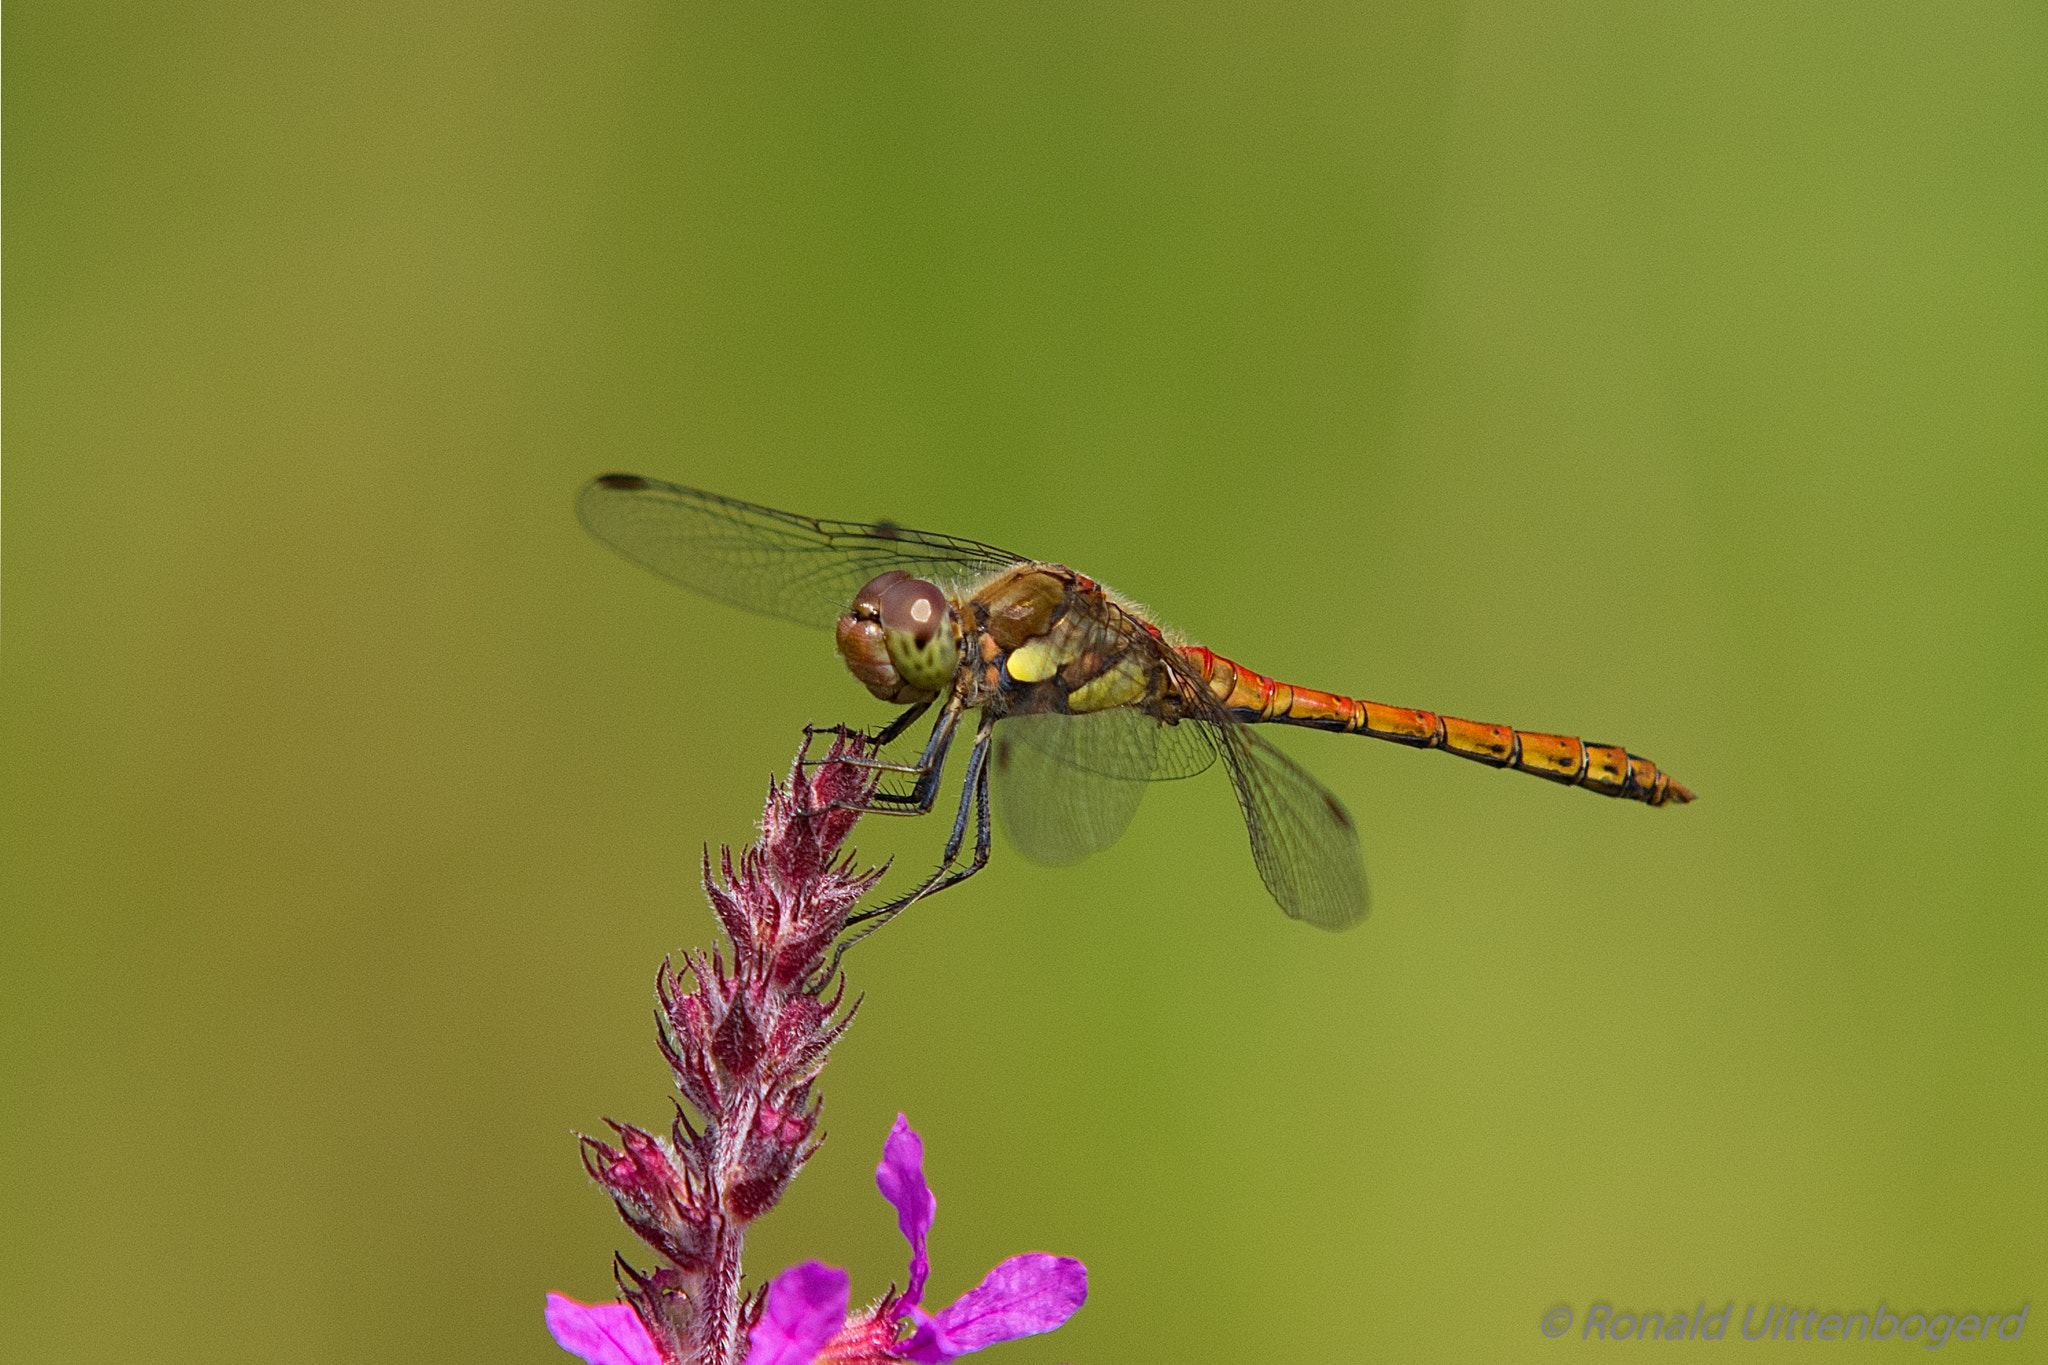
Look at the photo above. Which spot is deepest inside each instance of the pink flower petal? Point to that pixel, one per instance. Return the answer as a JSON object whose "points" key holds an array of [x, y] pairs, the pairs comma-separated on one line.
{"points": [[600, 1333], [1022, 1297], [806, 1309], [901, 1180]]}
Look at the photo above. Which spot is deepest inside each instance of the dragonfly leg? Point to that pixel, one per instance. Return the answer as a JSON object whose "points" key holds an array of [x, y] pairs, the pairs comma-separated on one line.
{"points": [[880, 739], [889, 733], [973, 796], [929, 769], [974, 800]]}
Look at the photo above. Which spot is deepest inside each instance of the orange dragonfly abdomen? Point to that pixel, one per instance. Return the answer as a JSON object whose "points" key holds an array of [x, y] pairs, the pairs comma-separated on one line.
{"points": [[1603, 768]]}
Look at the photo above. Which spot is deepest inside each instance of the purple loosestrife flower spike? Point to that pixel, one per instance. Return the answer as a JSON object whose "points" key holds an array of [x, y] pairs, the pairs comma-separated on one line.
{"points": [[746, 1038], [1022, 1297]]}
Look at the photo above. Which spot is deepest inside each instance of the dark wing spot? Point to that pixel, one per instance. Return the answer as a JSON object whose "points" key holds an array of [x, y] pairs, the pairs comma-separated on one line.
{"points": [[1337, 811], [1002, 759], [886, 529], [626, 482]]}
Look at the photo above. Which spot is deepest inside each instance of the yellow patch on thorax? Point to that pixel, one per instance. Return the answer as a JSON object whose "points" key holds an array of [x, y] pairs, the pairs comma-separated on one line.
{"points": [[1033, 662], [1118, 685]]}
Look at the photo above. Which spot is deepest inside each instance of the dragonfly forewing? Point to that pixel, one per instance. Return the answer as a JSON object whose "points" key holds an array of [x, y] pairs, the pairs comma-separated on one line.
{"points": [[798, 568]]}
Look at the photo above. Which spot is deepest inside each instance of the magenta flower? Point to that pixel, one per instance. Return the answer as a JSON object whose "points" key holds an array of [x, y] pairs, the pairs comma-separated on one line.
{"points": [[805, 1318], [600, 1333]]}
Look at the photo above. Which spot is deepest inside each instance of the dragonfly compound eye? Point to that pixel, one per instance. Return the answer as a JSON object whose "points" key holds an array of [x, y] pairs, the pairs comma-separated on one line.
{"points": [[863, 644], [919, 631]]}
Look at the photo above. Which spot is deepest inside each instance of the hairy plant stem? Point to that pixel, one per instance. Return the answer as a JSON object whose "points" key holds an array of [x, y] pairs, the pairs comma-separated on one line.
{"points": [[746, 1043]]}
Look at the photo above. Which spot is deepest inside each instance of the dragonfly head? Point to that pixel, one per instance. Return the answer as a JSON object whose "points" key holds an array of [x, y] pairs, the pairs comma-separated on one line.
{"points": [[901, 638]]}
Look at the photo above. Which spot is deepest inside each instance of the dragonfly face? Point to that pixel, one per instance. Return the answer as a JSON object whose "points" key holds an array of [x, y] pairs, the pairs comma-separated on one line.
{"points": [[901, 638]]}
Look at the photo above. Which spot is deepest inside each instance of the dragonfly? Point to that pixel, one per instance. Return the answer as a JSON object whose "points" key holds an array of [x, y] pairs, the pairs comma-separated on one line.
{"points": [[1082, 699]]}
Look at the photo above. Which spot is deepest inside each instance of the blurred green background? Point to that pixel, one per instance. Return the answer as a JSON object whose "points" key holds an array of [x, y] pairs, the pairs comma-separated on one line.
{"points": [[1677, 378]]}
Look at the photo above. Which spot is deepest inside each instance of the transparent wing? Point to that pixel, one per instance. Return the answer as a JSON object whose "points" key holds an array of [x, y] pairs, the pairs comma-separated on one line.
{"points": [[1303, 841], [802, 569], [1055, 810], [1125, 744]]}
